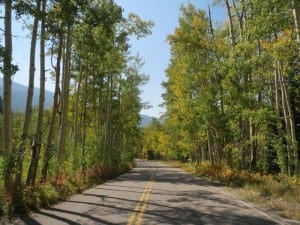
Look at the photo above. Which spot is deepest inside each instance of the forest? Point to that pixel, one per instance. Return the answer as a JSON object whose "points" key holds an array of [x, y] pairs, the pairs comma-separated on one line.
{"points": [[232, 96], [232, 93], [92, 131]]}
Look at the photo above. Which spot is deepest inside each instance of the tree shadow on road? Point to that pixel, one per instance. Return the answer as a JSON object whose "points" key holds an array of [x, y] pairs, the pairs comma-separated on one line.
{"points": [[61, 215], [198, 203]]}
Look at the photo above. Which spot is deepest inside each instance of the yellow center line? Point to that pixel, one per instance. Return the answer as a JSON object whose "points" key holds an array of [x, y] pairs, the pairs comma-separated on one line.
{"points": [[137, 215], [142, 209]]}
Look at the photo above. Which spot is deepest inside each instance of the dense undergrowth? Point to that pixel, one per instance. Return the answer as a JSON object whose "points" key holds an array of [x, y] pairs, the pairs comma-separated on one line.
{"points": [[60, 188], [277, 191]]}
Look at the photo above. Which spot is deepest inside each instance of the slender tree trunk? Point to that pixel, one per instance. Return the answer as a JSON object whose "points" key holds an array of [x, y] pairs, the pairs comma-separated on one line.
{"points": [[284, 153], [100, 121], [241, 14], [198, 155], [111, 120], [231, 29], [286, 115], [219, 78], [277, 93], [7, 111], [209, 146], [49, 147], [65, 104], [83, 125], [108, 118], [253, 150], [36, 146], [117, 126], [76, 140], [106, 140], [296, 14], [294, 163], [278, 105], [76, 109], [28, 110]]}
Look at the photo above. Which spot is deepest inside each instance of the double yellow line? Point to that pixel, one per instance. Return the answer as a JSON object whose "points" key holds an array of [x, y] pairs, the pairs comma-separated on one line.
{"points": [[137, 215]]}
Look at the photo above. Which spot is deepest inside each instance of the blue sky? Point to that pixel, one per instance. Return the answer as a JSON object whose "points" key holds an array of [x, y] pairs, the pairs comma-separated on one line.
{"points": [[154, 48]]}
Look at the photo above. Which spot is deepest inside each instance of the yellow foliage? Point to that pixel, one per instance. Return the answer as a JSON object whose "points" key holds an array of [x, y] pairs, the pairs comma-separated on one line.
{"points": [[282, 46], [196, 21]]}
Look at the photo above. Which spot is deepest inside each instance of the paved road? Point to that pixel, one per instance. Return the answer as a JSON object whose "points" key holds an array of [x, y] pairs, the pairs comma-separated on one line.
{"points": [[153, 193]]}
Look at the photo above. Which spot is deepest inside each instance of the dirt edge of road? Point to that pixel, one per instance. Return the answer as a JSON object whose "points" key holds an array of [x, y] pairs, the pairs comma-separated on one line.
{"points": [[275, 206]]}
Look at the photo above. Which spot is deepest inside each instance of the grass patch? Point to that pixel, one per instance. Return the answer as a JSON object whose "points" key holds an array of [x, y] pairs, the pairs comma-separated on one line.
{"points": [[188, 167]]}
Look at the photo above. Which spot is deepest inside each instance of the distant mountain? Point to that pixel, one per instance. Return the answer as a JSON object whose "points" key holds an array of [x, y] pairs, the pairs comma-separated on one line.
{"points": [[19, 96], [146, 120]]}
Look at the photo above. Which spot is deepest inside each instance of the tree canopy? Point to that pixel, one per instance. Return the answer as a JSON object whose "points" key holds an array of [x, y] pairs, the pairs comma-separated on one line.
{"points": [[232, 90], [92, 129]]}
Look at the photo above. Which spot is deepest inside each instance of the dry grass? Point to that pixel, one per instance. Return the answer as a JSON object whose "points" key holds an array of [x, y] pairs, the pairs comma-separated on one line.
{"points": [[279, 205], [188, 167]]}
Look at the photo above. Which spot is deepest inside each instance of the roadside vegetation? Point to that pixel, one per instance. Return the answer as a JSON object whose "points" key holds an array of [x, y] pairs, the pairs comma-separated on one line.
{"points": [[92, 130], [277, 192], [59, 189], [232, 92]]}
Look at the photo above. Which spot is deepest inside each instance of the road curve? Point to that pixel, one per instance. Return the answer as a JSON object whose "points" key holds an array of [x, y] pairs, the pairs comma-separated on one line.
{"points": [[153, 193]]}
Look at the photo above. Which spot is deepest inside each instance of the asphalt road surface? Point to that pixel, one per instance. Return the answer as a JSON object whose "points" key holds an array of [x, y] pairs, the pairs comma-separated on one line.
{"points": [[153, 193]]}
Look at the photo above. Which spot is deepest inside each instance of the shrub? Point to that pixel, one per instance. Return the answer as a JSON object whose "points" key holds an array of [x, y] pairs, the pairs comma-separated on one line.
{"points": [[48, 195], [265, 191], [31, 199], [208, 170]]}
